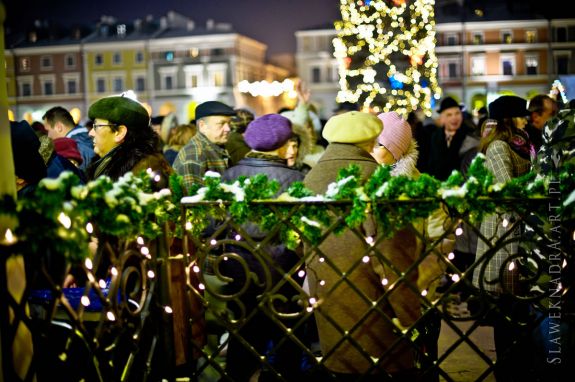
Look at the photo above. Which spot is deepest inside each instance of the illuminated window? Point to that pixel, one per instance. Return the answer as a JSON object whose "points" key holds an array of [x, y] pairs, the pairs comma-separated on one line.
{"points": [[24, 64], [121, 30], [169, 56], [219, 79], [506, 37], [477, 38], [478, 66], [531, 36], [531, 65]]}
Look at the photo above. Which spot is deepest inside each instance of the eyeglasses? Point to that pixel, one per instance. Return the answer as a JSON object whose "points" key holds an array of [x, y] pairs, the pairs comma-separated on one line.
{"points": [[97, 127]]}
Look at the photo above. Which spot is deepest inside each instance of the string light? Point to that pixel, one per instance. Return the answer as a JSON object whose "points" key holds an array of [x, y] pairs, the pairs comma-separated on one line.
{"points": [[386, 55]]}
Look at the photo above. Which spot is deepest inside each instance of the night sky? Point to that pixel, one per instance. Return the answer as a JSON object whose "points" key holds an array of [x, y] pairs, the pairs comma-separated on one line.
{"points": [[272, 22]]}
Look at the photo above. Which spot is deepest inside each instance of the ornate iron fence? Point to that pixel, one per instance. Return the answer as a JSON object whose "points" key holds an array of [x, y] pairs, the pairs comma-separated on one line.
{"points": [[113, 324], [237, 301], [308, 313]]}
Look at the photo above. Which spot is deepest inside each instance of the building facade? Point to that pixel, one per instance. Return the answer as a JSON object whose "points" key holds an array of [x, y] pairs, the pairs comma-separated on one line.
{"points": [[171, 64], [478, 61]]}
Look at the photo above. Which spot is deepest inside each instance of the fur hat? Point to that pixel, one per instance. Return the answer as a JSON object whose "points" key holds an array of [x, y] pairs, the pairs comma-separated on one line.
{"points": [[396, 134], [352, 127], [120, 110], [508, 107], [268, 132], [209, 108], [28, 162], [448, 103], [68, 148]]}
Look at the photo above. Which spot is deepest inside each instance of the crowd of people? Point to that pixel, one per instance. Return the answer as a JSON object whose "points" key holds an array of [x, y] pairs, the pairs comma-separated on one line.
{"points": [[296, 145]]}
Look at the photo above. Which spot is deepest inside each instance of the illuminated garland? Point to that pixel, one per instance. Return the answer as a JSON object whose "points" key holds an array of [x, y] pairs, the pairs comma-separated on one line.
{"points": [[476, 194], [386, 55], [62, 214]]}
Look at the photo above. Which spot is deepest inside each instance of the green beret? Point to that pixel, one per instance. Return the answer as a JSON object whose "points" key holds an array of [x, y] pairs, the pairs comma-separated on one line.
{"points": [[120, 110], [352, 127]]}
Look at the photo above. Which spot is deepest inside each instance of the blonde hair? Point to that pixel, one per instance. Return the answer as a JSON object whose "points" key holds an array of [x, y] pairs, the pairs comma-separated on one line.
{"points": [[181, 134]]}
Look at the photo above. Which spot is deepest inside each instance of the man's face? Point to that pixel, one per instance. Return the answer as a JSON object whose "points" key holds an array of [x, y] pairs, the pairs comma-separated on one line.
{"points": [[54, 131], [451, 119], [539, 120], [216, 128]]}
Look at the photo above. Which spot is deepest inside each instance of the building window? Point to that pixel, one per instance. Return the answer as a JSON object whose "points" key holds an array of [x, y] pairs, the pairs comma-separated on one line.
{"points": [[194, 81], [452, 71], [70, 61], [217, 52], [140, 84], [477, 38], [315, 75], [531, 65], [118, 84], [169, 56], [561, 34], [117, 58], [531, 36], [98, 59], [48, 87], [121, 30], [24, 64], [168, 83], [26, 89], [452, 39], [218, 78], [562, 64], [508, 65], [46, 62], [193, 74], [71, 87], [478, 66], [506, 37], [139, 57], [100, 85]]}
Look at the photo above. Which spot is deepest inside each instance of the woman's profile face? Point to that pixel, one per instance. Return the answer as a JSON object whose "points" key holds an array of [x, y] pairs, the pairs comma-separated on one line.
{"points": [[382, 155]]}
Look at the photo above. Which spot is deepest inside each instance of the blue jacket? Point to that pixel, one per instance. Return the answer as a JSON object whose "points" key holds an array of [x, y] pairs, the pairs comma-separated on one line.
{"points": [[85, 145]]}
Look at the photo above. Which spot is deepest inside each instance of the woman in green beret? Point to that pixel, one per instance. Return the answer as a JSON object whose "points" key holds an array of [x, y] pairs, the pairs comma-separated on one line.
{"points": [[124, 140]]}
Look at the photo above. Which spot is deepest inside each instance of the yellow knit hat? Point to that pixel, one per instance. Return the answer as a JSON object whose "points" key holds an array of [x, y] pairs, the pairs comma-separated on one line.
{"points": [[352, 127]]}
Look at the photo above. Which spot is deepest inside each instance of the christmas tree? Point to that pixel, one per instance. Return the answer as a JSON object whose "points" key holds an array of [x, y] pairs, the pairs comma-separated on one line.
{"points": [[386, 55]]}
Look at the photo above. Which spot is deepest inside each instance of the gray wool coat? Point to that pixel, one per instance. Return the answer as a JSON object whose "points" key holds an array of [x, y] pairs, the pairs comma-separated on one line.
{"points": [[356, 305]]}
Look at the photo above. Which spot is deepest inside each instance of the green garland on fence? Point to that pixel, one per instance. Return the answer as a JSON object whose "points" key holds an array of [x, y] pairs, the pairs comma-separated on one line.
{"points": [[62, 214]]}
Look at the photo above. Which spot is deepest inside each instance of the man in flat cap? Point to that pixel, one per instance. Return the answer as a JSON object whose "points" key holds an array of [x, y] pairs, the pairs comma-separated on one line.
{"points": [[205, 151], [351, 137], [124, 140]]}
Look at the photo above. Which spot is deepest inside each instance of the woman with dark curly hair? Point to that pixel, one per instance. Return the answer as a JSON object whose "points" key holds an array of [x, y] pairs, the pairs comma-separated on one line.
{"points": [[124, 140]]}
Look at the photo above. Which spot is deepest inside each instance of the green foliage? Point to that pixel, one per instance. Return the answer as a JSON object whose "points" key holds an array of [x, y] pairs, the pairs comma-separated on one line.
{"points": [[64, 209]]}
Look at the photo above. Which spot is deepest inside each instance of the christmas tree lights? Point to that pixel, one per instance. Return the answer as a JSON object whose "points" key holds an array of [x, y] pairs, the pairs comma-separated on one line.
{"points": [[386, 55]]}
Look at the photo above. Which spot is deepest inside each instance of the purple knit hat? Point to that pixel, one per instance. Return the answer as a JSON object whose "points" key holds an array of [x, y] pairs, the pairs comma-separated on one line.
{"points": [[268, 132], [396, 134]]}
